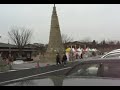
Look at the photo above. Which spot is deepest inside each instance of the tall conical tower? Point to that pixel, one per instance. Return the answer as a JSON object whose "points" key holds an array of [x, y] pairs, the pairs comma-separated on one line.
{"points": [[55, 41]]}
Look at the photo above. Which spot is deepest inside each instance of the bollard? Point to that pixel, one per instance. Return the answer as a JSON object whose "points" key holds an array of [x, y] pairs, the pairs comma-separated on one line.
{"points": [[37, 65], [47, 65]]}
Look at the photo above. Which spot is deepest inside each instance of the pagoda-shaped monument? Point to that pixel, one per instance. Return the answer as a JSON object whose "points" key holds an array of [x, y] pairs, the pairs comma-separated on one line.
{"points": [[55, 44]]}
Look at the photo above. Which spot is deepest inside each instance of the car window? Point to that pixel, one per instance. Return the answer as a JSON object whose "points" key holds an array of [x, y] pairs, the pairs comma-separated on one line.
{"points": [[86, 70], [112, 70]]}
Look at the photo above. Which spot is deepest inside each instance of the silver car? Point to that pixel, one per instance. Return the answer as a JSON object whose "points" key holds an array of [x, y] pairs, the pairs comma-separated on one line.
{"points": [[113, 54]]}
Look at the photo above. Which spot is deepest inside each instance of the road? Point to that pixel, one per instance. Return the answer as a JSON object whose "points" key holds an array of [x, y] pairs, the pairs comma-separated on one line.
{"points": [[29, 65], [51, 70]]}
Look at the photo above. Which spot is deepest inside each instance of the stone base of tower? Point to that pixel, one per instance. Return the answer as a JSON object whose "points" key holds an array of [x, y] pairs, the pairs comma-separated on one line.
{"points": [[49, 57], [55, 44]]}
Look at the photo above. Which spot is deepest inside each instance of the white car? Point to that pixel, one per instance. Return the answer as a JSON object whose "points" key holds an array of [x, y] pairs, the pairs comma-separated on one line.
{"points": [[18, 62], [113, 54]]}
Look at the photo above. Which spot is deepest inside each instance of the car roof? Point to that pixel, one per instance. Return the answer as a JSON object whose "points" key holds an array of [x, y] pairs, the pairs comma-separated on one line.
{"points": [[116, 51], [101, 60]]}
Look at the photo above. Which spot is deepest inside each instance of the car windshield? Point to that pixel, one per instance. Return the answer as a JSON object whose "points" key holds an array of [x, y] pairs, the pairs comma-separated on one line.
{"points": [[40, 41], [111, 70], [32, 82], [86, 70]]}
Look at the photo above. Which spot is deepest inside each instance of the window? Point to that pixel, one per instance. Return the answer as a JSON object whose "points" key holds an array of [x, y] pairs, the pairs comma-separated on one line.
{"points": [[112, 70], [86, 70]]}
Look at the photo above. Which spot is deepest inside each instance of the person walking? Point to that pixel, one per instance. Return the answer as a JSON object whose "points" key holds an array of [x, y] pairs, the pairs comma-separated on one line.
{"points": [[58, 59], [82, 53], [9, 61], [64, 59]]}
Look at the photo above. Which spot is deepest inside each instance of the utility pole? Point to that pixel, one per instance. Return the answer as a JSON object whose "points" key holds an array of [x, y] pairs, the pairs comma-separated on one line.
{"points": [[0, 36], [10, 65], [0, 53], [9, 49]]}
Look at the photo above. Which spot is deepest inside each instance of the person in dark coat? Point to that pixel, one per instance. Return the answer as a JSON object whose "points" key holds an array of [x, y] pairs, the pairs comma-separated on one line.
{"points": [[58, 59], [64, 59]]}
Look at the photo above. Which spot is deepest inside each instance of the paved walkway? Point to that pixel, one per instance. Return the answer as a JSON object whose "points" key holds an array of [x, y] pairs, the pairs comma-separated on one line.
{"points": [[28, 65]]}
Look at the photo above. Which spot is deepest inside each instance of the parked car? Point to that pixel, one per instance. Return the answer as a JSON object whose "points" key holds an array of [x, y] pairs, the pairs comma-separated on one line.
{"points": [[18, 61], [98, 72]]}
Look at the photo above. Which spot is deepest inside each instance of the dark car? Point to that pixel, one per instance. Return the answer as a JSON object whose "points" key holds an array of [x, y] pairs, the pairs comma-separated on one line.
{"points": [[99, 72]]}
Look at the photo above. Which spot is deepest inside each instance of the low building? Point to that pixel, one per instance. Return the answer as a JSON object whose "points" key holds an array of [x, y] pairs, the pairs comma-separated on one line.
{"points": [[13, 51]]}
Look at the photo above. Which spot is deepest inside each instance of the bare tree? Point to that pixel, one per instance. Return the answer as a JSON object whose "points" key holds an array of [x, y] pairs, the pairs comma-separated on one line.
{"points": [[66, 38], [103, 42], [94, 42], [86, 39], [20, 36], [41, 48]]}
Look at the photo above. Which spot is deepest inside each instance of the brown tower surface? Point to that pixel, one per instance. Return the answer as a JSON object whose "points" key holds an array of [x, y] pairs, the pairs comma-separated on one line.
{"points": [[55, 44]]}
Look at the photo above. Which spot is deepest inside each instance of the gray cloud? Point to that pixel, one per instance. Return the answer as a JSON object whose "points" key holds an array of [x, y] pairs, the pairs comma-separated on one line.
{"points": [[97, 21]]}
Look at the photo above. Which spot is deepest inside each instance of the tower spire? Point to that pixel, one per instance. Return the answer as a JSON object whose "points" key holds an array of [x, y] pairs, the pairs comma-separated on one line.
{"points": [[55, 40], [54, 10]]}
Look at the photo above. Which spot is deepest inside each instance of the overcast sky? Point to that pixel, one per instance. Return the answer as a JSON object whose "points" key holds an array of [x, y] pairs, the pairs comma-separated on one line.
{"points": [[80, 21]]}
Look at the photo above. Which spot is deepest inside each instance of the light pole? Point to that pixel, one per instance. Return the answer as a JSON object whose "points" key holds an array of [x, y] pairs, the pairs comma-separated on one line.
{"points": [[9, 49], [0, 36], [10, 65], [0, 53]]}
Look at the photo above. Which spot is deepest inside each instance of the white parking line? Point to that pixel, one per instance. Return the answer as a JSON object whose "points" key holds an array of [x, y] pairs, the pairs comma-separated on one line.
{"points": [[34, 75], [11, 70], [15, 70], [8, 71], [22, 68], [18, 69]]}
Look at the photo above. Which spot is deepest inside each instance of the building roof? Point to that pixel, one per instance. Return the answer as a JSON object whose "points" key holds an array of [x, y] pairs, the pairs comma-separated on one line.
{"points": [[6, 45]]}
